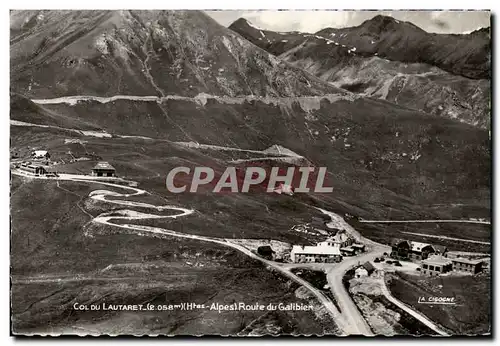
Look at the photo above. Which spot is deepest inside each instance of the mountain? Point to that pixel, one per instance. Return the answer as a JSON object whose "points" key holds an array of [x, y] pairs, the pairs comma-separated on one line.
{"points": [[373, 60], [105, 53], [363, 141], [468, 55]]}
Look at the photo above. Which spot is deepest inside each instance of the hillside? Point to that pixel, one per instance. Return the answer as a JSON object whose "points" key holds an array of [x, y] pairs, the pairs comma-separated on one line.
{"points": [[392, 60], [468, 55], [105, 53]]}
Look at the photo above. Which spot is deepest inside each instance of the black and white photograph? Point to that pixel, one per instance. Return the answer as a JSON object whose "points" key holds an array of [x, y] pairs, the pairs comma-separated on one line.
{"points": [[250, 173]]}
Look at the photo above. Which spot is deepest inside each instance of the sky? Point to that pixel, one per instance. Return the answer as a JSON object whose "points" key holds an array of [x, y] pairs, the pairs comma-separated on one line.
{"points": [[444, 22]]}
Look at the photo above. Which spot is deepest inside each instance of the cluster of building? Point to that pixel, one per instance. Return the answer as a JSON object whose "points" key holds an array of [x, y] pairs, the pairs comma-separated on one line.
{"points": [[438, 264], [40, 165], [433, 258], [338, 244]]}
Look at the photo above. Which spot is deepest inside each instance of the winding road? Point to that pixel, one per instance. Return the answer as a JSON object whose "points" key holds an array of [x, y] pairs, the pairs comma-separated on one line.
{"points": [[348, 319], [127, 214]]}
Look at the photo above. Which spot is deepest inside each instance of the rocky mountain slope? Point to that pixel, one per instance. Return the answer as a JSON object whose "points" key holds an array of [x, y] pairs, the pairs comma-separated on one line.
{"points": [[468, 55], [104, 53], [368, 145], [393, 60]]}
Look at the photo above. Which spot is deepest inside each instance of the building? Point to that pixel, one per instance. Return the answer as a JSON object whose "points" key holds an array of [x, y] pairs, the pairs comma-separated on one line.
{"points": [[40, 154], [103, 169], [400, 249], [415, 251], [319, 253], [33, 168], [420, 251], [435, 265], [365, 270], [467, 265]]}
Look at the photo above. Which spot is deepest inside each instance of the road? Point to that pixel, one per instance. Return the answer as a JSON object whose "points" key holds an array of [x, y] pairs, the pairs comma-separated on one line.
{"points": [[427, 221], [349, 311], [449, 238], [348, 319], [410, 311], [126, 214]]}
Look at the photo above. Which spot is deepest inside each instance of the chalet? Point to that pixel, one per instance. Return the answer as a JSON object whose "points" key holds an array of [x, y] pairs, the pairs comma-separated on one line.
{"points": [[342, 239], [420, 251], [103, 169], [435, 265], [467, 265], [40, 154], [319, 253], [414, 250], [365, 270], [400, 249]]}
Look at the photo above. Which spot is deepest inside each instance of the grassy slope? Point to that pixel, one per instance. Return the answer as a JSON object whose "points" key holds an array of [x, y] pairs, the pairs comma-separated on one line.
{"points": [[55, 244], [383, 190], [470, 316]]}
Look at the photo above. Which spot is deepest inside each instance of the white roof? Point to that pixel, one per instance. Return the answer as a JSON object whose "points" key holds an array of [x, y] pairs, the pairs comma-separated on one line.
{"points": [[40, 152], [315, 250], [417, 246]]}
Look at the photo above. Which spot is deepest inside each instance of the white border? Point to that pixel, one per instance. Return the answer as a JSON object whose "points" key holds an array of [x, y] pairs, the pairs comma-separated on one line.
{"points": [[189, 4]]}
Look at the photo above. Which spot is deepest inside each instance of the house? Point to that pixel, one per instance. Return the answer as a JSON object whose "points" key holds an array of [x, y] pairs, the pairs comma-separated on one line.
{"points": [[40, 154], [400, 249], [435, 265], [33, 168], [365, 270], [467, 265], [414, 250], [265, 251], [342, 239], [420, 251], [103, 169], [319, 253]]}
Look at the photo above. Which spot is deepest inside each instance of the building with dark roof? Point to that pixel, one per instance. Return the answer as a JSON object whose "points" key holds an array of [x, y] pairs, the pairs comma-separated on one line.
{"points": [[414, 250], [400, 249], [467, 265], [103, 169], [364, 270]]}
